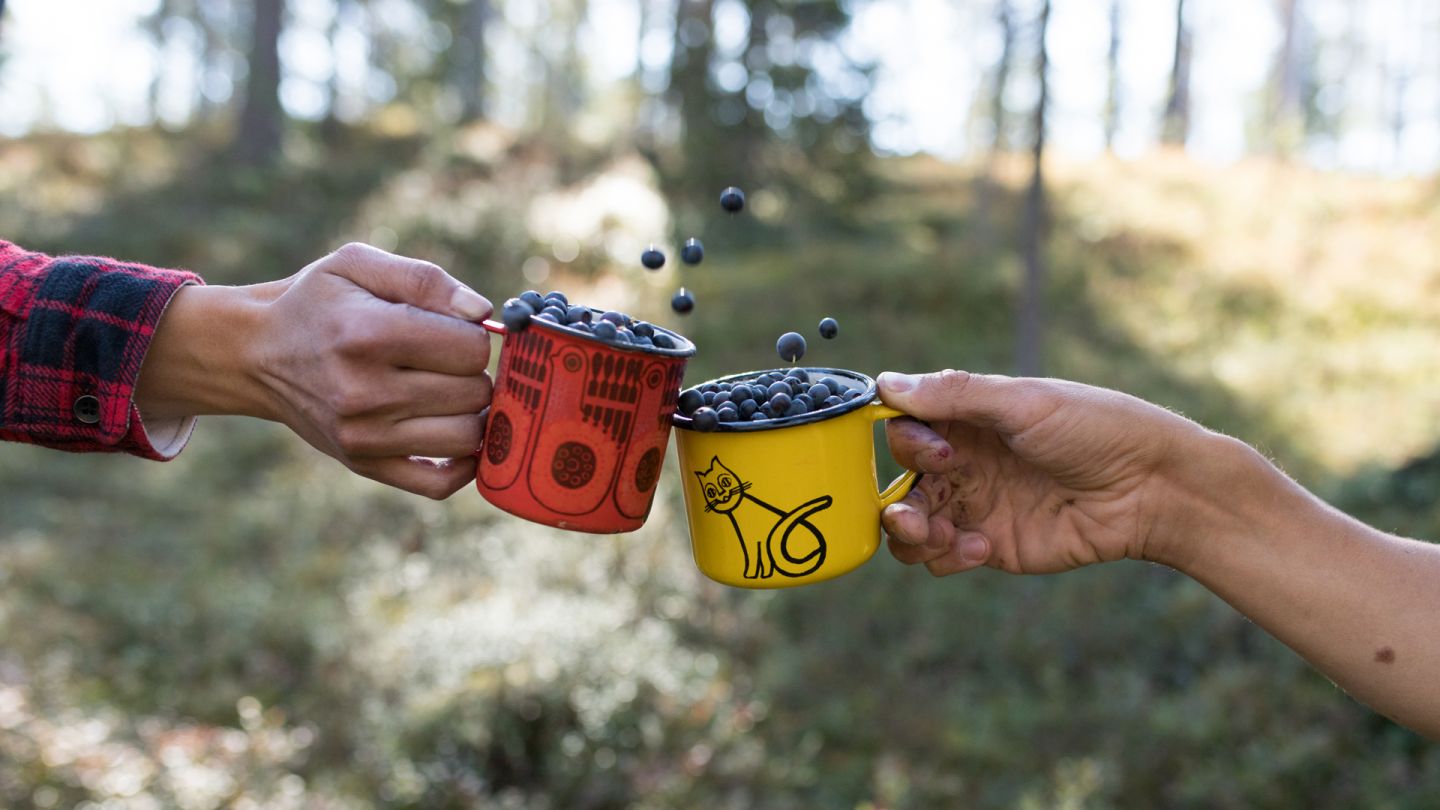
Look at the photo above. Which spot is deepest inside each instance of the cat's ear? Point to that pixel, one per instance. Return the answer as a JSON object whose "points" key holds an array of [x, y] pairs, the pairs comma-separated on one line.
{"points": [[714, 462], [701, 476]]}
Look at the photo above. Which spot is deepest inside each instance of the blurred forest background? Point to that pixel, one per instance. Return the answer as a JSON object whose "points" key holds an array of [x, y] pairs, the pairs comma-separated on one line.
{"points": [[1227, 207]]}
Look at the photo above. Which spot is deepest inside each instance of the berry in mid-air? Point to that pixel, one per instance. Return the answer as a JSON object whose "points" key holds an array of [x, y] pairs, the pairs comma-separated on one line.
{"points": [[732, 199], [683, 301], [829, 328], [652, 259], [790, 346], [693, 252]]}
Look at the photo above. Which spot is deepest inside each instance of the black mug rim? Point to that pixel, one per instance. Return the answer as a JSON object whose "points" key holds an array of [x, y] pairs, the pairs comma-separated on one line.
{"points": [[686, 423]]}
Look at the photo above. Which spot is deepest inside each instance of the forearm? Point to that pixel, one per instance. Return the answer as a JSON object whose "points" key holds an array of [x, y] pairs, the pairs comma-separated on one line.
{"points": [[201, 360], [1361, 606]]}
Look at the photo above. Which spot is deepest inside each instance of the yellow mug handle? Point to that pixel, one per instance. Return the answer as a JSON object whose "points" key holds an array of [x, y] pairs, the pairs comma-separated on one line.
{"points": [[901, 486]]}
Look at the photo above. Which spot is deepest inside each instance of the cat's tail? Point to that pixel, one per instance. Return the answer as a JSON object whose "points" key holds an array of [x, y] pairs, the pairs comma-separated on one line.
{"points": [[792, 520]]}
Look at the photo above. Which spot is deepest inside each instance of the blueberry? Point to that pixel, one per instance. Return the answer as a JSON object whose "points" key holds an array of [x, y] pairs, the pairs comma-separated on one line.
{"points": [[767, 409], [741, 392], [693, 252], [780, 402], [516, 315], [663, 341], [797, 408], [722, 396], [534, 299], [807, 399], [791, 346], [623, 336], [652, 258], [748, 408], [727, 386], [605, 330], [705, 420], [690, 400], [727, 405], [556, 312], [710, 386], [643, 329], [758, 417], [764, 380], [641, 340], [852, 393], [556, 294], [578, 315], [819, 392], [801, 374], [732, 199], [613, 317], [836, 387], [832, 401], [708, 397], [729, 415], [683, 301], [829, 328], [778, 387]]}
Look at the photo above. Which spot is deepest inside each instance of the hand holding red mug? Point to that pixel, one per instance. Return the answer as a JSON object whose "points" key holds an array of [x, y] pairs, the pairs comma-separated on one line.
{"points": [[375, 359]]}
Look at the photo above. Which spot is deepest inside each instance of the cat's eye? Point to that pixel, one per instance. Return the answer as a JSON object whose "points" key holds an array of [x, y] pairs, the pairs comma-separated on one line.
{"points": [[725, 481], [710, 493]]}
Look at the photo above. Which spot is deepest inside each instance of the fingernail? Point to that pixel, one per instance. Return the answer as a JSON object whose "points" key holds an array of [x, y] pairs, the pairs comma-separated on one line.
{"points": [[470, 305], [974, 548], [897, 383]]}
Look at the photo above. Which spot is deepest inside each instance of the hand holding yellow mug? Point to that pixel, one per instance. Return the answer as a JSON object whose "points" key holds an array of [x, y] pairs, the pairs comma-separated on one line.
{"points": [[791, 501]]}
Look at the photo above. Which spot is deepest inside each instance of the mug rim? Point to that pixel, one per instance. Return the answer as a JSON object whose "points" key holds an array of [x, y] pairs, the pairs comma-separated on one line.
{"points": [[686, 423], [685, 349]]}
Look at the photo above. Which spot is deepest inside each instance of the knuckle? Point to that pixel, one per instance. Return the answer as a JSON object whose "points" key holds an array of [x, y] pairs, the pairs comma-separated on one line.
{"points": [[350, 399], [354, 438]]}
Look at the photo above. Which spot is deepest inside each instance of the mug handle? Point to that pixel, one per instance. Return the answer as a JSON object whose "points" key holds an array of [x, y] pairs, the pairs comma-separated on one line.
{"points": [[494, 326], [901, 486]]}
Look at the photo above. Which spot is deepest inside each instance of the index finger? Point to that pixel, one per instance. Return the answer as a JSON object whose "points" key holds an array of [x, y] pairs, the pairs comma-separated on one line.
{"points": [[414, 338]]}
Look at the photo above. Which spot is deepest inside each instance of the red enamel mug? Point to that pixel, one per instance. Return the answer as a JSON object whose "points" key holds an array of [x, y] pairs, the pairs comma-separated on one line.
{"points": [[578, 427]]}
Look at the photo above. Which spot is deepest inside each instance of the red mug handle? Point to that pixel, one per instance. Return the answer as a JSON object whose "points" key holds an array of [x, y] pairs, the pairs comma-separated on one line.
{"points": [[494, 326]]}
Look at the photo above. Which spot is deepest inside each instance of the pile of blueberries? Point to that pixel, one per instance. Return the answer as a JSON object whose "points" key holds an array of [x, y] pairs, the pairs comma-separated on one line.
{"points": [[611, 327], [771, 395]]}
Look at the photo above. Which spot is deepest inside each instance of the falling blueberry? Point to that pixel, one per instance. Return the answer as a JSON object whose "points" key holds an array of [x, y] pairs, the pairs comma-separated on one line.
{"points": [[652, 258], [705, 419], [683, 301], [693, 252], [732, 199], [829, 328], [790, 346], [516, 315]]}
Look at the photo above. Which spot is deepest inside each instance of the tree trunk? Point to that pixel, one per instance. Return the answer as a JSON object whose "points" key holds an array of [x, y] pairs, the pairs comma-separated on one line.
{"points": [[470, 64], [1029, 358], [1286, 111], [257, 139], [1112, 68], [1176, 129], [1005, 15]]}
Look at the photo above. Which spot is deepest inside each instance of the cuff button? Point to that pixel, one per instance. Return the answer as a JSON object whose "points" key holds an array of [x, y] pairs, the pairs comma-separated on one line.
{"points": [[87, 409]]}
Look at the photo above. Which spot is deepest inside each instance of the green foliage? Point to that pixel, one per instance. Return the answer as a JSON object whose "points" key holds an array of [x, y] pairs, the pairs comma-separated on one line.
{"points": [[252, 624]]}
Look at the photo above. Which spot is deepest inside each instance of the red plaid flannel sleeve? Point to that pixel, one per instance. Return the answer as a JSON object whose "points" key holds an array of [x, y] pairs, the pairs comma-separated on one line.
{"points": [[73, 333]]}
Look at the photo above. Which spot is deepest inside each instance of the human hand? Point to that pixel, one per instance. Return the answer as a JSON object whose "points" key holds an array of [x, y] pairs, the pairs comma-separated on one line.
{"points": [[1035, 476], [372, 358]]}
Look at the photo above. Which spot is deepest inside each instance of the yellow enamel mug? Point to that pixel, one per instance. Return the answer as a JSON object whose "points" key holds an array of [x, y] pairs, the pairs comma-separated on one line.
{"points": [[790, 501]]}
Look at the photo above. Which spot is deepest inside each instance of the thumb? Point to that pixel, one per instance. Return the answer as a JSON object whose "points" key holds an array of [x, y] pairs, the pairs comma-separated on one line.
{"points": [[1005, 404], [403, 280]]}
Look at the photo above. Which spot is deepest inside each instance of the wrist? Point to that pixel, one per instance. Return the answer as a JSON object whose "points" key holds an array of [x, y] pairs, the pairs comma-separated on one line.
{"points": [[202, 359], [1220, 493]]}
